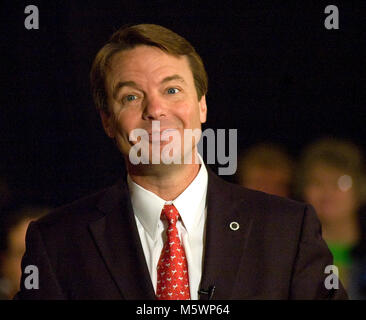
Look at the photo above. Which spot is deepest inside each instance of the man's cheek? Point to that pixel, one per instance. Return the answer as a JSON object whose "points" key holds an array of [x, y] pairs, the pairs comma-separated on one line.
{"points": [[123, 145], [123, 138]]}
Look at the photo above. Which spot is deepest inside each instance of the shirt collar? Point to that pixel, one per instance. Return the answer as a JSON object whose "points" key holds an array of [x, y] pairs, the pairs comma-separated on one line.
{"points": [[190, 203]]}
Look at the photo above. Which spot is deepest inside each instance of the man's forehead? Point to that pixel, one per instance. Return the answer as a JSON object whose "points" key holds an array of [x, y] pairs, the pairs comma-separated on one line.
{"points": [[147, 58]]}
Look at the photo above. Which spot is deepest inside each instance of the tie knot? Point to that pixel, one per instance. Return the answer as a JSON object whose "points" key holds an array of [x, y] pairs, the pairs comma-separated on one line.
{"points": [[171, 213]]}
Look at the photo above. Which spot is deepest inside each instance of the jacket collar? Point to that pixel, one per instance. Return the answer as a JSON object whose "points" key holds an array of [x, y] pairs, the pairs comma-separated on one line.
{"points": [[224, 247], [117, 238]]}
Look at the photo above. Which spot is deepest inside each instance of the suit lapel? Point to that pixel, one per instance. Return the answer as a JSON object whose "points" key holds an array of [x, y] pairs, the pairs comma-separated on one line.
{"points": [[117, 238], [224, 247]]}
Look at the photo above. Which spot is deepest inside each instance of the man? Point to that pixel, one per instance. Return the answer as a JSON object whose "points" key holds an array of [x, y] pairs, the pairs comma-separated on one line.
{"points": [[170, 231]]}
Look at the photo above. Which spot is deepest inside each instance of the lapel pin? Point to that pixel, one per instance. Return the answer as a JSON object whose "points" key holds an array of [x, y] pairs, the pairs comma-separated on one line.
{"points": [[234, 226]]}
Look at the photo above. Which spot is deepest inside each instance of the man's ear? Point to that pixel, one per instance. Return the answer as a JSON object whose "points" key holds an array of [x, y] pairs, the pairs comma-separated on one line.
{"points": [[203, 109], [108, 123]]}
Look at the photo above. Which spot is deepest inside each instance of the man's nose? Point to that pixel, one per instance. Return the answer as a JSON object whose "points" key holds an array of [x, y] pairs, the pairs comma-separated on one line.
{"points": [[154, 108]]}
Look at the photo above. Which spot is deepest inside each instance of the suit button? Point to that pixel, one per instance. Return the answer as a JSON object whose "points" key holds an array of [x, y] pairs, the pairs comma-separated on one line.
{"points": [[234, 226]]}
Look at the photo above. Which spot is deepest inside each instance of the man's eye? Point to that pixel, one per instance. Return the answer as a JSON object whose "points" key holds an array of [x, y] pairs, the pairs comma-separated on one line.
{"points": [[173, 90], [129, 98]]}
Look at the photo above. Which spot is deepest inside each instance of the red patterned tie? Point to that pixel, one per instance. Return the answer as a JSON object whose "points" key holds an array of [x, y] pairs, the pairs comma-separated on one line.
{"points": [[173, 283]]}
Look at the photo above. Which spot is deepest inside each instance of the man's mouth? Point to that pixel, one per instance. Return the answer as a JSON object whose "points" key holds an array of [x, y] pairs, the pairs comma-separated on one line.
{"points": [[161, 135]]}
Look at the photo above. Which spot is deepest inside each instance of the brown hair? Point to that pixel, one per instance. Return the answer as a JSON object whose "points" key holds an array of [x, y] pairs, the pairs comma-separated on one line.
{"points": [[143, 34], [336, 153]]}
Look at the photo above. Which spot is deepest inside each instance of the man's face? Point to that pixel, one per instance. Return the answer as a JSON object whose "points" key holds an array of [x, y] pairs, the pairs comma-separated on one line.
{"points": [[145, 84]]}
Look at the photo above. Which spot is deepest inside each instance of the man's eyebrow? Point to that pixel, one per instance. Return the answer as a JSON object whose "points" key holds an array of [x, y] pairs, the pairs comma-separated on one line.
{"points": [[122, 84], [173, 77]]}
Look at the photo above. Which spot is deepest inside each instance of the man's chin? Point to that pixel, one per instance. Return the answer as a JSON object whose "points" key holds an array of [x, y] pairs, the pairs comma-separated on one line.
{"points": [[162, 160]]}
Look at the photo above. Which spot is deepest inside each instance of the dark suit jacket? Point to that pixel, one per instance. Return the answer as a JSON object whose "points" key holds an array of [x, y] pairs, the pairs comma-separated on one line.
{"points": [[91, 249]]}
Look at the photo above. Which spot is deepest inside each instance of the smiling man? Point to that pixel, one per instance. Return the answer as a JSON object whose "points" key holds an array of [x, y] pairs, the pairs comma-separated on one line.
{"points": [[145, 84], [172, 231]]}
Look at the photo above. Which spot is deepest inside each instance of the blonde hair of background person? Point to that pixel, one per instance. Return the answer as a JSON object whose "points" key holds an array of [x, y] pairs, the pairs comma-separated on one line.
{"points": [[340, 154]]}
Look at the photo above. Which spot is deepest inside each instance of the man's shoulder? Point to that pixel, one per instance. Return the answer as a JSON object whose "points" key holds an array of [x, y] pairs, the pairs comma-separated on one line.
{"points": [[269, 203], [77, 213], [257, 199], [273, 218]]}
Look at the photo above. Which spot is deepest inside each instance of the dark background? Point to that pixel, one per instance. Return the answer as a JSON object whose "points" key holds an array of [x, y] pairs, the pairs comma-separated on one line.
{"points": [[275, 73]]}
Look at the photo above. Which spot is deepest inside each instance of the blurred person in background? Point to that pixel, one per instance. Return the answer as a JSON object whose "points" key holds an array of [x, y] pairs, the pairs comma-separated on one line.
{"points": [[14, 225], [332, 178], [266, 167]]}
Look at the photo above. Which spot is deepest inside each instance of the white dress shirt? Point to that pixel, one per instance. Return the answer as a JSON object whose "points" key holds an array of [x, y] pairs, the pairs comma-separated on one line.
{"points": [[191, 205]]}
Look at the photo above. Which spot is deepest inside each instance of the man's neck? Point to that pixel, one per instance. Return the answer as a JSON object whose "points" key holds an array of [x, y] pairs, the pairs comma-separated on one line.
{"points": [[166, 181]]}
